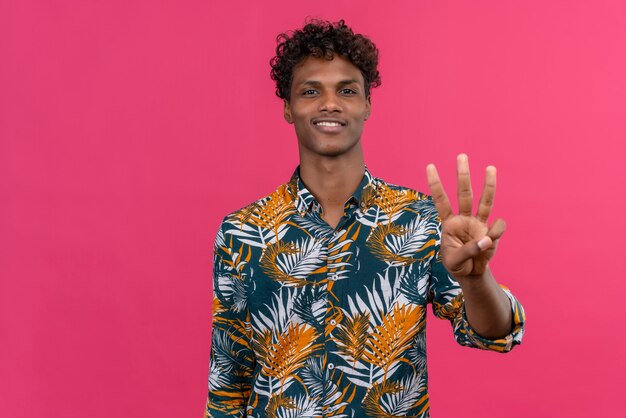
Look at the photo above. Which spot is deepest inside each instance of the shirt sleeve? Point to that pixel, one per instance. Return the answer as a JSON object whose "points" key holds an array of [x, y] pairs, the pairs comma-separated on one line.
{"points": [[232, 359], [448, 303]]}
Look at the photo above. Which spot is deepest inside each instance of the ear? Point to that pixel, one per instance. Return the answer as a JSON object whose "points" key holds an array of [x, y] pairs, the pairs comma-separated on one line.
{"points": [[368, 107], [287, 112]]}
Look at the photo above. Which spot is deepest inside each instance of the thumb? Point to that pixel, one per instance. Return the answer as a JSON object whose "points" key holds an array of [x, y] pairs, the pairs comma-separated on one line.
{"points": [[469, 250], [483, 243]]}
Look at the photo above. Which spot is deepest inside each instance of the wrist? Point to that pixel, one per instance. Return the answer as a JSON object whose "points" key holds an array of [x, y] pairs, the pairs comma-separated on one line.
{"points": [[475, 281]]}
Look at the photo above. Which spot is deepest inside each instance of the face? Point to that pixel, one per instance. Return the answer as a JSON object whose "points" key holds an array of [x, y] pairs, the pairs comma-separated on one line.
{"points": [[327, 106]]}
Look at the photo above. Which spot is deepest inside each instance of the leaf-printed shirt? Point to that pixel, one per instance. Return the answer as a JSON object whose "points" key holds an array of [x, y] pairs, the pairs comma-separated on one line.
{"points": [[315, 321]]}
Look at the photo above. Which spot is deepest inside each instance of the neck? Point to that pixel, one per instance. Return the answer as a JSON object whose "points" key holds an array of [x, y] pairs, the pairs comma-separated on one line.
{"points": [[332, 180]]}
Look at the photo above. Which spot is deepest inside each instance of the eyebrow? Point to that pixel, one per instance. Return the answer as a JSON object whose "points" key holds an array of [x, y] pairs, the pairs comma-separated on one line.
{"points": [[340, 83]]}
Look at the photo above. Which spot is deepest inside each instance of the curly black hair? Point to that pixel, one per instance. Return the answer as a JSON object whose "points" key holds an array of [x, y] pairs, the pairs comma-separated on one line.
{"points": [[320, 38]]}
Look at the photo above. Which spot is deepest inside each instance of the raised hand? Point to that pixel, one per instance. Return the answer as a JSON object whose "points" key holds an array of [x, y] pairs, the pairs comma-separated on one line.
{"points": [[467, 241]]}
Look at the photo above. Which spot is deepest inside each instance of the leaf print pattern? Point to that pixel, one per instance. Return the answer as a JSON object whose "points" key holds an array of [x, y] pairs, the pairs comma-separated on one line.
{"points": [[293, 263], [290, 351], [311, 321], [272, 212], [373, 399], [398, 245], [310, 307], [392, 338], [352, 336], [380, 246]]}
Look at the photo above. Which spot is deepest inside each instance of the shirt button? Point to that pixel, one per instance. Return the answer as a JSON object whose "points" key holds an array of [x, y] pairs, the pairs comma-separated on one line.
{"points": [[331, 366], [333, 322]]}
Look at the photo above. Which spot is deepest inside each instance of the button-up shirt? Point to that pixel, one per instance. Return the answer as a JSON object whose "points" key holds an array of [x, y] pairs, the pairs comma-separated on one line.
{"points": [[315, 321]]}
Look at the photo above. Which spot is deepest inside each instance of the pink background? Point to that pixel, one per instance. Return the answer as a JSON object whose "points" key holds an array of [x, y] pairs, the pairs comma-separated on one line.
{"points": [[128, 129]]}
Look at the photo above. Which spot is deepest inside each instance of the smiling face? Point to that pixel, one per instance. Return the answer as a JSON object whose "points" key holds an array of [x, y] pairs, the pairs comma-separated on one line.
{"points": [[328, 107]]}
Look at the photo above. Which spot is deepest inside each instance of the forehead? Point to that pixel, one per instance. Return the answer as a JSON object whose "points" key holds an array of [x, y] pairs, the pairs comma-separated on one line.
{"points": [[326, 71]]}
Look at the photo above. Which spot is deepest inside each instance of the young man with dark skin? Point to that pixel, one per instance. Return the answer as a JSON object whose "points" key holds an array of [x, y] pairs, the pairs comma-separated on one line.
{"points": [[347, 260], [328, 108]]}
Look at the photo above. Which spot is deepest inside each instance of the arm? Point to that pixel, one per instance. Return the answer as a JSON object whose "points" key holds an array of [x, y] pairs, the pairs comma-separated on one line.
{"points": [[487, 307], [449, 302], [232, 359]]}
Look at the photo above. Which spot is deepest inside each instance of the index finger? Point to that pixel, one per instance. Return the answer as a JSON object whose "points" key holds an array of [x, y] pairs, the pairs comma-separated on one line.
{"points": [[438, 193]]}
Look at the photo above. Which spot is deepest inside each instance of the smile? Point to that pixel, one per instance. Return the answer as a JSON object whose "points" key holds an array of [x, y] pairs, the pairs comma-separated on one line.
{"points": [[328, 124]]}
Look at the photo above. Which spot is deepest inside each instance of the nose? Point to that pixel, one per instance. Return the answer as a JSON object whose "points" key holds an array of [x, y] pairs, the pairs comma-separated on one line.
{"points": [[330, 103]]}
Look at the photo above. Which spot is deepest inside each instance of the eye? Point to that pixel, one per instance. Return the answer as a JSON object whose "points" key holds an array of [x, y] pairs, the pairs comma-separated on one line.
{"points": [[347, 91], [308, 92]]}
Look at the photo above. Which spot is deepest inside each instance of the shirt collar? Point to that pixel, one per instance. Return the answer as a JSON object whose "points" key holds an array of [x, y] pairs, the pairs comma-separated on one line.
{"points": [[305, 202]]}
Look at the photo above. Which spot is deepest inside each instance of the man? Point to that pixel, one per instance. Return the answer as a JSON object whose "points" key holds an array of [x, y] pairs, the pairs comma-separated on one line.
{"points": [[321, 287]]}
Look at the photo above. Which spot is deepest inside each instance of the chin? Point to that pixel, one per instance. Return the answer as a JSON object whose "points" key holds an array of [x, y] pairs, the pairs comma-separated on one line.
{"points": [[335, 148], [333, 151]]}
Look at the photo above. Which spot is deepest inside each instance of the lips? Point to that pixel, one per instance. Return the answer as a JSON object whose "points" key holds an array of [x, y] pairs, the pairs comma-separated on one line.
{"points": [[329, 125]]}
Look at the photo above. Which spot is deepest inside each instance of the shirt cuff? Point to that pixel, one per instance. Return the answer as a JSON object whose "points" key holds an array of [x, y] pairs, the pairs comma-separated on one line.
{"points": [[504, 344]]}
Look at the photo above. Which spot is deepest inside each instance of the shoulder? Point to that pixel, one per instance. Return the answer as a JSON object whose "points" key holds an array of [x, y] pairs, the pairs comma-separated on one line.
{"points": [[264, 211], [404, 199]]}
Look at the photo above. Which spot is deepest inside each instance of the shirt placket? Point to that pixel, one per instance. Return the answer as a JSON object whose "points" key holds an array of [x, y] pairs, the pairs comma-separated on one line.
{"points": [[327, 337], [332, 292]]}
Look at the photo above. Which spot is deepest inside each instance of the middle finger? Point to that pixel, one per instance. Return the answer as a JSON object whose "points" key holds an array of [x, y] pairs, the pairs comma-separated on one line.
{"points": [[464, 185]]}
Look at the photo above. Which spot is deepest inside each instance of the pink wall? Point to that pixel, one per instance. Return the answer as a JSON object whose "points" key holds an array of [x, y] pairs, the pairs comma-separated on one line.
{"points": [[128, 129]]}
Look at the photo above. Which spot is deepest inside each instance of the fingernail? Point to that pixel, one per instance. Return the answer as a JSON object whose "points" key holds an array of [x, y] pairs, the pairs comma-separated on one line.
{"points": [[484, 243]]}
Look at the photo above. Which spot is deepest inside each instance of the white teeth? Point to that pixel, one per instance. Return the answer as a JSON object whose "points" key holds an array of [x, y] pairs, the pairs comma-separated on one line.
{"points": [[328, 123]]}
